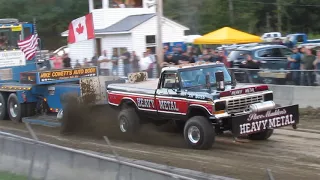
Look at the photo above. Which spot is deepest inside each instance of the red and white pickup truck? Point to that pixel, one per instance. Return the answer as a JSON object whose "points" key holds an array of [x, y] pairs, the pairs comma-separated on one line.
{"points": [[204, 100]]}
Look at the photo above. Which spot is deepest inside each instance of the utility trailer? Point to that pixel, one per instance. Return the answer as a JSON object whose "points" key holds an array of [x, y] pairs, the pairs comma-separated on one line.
{"points": [[87, 88], [29, 90]]}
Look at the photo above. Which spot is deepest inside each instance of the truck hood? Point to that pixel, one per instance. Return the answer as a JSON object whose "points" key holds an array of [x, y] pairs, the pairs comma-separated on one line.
{"points": [[229, 91]]}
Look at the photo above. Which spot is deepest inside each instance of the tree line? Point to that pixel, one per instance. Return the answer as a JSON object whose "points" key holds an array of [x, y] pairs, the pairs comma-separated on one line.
{"points": [[201, 16]]}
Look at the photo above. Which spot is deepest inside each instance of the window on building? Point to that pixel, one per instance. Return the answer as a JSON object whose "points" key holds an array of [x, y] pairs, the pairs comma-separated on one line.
{"points": [[151, 43], [151, 39], [125, 3], [97, 4]]}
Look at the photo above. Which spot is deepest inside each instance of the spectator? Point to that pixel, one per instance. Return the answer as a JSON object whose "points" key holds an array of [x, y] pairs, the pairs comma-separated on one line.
{"points": [[119, 4], [85, 63], [114, 60], [206, 56], [223, 58], [184, 58], [200, 58], [57, 62], [135, 62], [191, 58], [250, 63], [316, 64], [105, 64], [165, 50], [77, 65], [307, 63], [94, 60], [169, 60], [295, 60], [302, 51], [66, 61], [126, 57], [145, 64]]}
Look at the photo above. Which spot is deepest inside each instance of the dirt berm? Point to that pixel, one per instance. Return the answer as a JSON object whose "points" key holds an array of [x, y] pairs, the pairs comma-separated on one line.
{"points": [[99, 121]]}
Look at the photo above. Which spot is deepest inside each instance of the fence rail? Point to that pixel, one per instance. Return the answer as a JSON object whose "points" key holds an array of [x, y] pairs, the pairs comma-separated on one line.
{"points": [[277, 77], [41, 160]]}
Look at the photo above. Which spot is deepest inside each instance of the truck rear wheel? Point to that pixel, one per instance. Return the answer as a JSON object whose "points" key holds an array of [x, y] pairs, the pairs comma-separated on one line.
{"points": [[3, 108], [15, 109], [129, 121], [264, 135], [199, 133]]}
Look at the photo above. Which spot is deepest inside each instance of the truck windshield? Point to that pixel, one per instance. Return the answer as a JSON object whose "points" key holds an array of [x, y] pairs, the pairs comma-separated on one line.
{"points": [[9, 39], [197, 77]]}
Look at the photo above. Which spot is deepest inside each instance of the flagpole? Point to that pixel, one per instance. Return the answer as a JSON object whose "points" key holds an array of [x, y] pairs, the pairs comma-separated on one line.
{"points": [[36, 32], [95, 46]]}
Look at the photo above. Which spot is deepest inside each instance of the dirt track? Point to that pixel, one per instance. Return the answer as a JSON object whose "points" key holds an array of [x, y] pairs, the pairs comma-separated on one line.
{"points": [[289, 154]]}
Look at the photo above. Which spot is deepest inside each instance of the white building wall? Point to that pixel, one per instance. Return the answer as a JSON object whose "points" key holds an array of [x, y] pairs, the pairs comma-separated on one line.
{"points": [[107, 16], [81, 50], [170, 33], [116, 41], [98, 18]]}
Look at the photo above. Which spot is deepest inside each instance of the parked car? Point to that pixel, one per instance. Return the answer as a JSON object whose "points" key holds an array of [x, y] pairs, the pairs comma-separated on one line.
{"points": [[269, 56], [61, 51]]}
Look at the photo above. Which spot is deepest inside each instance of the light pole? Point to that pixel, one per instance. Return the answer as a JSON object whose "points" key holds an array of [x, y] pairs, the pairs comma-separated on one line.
{"points": [[159, 13]]}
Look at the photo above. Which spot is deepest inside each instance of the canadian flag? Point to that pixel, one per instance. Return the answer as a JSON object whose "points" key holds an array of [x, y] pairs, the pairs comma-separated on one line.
{"points": [[81, 29]]}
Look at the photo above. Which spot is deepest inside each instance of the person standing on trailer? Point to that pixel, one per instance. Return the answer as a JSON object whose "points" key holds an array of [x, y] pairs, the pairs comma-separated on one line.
{"points": [[105, 64], [66, 61]]}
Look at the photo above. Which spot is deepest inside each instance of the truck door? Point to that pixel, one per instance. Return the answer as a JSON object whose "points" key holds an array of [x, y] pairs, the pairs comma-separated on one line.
{"points": [[168, 101]]}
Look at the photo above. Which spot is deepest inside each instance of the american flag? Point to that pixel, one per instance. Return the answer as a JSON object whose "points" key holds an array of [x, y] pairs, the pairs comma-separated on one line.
{"points": [[29, 46]]}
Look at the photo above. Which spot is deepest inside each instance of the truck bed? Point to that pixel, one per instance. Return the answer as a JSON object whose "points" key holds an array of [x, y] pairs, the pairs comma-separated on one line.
{"points": [[145, 87]]}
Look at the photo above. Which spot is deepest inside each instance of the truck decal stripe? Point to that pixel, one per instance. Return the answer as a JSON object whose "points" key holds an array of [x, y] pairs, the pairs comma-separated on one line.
{"points": [[164, 104]]}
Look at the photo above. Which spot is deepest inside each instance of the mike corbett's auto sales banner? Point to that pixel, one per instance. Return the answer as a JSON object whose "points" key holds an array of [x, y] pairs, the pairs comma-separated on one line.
{"points": [[257, 122]]}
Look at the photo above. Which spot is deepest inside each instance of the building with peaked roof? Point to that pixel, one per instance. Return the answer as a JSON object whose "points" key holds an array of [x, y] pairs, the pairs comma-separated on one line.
{"points": [[133, 28]]}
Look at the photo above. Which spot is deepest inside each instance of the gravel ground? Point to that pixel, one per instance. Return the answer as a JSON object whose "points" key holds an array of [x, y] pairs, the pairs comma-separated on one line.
{"points": [[290, 154]]}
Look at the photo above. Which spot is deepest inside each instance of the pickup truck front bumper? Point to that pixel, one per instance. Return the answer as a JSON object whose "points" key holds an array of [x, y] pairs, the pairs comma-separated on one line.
{"points": [[259, 120], [270, 119]]}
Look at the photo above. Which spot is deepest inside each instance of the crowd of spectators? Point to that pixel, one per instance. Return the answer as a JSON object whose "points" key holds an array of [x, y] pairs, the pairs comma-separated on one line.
{"points": [[192, 54], [305, 66], [304, 63]]}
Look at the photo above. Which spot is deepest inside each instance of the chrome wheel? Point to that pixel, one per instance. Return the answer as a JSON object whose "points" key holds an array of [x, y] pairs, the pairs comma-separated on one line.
{"points": [[14, 109], [123, 124], [194, 134], [60, 114], [1, 108]]}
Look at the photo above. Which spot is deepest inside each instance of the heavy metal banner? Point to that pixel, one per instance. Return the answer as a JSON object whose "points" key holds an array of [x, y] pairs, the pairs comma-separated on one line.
{"points": [[257, 122], [67, 74]]}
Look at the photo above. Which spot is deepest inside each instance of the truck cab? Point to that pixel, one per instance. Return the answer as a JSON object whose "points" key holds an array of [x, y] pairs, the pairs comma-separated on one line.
{"points": [[204, 100]]}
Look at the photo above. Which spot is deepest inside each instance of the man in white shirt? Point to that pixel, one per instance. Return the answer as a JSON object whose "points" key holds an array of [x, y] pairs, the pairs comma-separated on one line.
{"points": [[105, 64]]}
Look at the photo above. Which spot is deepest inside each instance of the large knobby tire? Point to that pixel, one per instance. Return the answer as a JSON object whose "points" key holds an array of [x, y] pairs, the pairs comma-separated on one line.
{"points": [[15, 109], [199, 133], [129, 121], [263, 135], [3, 107]]}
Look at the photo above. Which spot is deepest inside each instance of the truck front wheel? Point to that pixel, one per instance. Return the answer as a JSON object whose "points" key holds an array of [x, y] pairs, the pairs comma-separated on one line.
{"points": [[199, 133], [129, 121], [264, 135]]}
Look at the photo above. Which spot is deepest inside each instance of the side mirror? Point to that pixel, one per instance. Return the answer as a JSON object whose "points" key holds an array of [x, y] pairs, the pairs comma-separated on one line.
{"points": [[220, 80]]}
